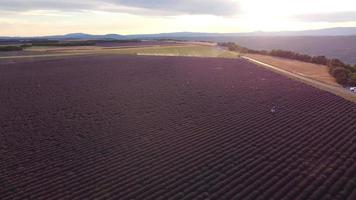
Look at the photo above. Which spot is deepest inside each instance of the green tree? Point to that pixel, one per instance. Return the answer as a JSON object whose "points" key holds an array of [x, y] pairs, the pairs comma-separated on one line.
{"points": [[352, 79], [319, 60], [341, 75]]}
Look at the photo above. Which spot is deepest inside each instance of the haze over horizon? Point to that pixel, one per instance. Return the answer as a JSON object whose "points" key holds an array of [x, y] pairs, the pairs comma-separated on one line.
{"points": [[50, 17]]}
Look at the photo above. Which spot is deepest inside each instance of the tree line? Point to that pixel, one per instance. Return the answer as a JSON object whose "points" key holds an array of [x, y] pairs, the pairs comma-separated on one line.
{"points": [[10, 48], [56, 43], [20, 47], [344, 74]]}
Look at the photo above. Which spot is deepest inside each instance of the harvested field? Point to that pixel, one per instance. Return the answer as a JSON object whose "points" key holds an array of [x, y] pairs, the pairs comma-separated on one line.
{"points": [[309, 70], [178, 50], [20, 53], [151, 127], [152, 43], [143, 43]]}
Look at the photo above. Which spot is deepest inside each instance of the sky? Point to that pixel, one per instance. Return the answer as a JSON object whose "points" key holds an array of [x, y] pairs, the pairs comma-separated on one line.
{"points": [[52, 17]]}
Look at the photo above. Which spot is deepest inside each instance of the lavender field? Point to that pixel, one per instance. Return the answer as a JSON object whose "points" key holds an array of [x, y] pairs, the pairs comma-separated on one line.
{"points": [[129, 127]]}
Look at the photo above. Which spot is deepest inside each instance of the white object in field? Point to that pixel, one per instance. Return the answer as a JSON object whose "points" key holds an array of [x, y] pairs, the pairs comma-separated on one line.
{"points": [[273, 109], [353, 89]]}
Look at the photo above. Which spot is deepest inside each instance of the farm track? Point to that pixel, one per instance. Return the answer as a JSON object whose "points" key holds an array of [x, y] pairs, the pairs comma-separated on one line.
{"points": [[127, 127]]}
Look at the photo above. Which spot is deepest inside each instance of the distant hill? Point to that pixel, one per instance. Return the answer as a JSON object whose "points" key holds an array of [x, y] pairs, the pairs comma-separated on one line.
{"points": [[88, 36], [341, 47], [71, 36], [341, 31]]}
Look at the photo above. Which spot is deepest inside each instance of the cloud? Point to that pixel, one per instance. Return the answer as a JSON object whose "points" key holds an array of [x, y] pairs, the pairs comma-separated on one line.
{"points": [[213, 7], [349, 16], [153, 7], [27, 5]]}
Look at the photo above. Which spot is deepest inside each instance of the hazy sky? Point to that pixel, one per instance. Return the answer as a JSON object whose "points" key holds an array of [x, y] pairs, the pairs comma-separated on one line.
{"points": [[48, 17]]}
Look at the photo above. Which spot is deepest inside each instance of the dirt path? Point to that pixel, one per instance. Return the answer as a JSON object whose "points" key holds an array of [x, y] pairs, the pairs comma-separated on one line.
{"points": [[337, 90]]}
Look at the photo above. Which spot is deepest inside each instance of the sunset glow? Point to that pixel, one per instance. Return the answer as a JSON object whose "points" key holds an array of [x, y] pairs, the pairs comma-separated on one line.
{"points": [[35, 17]]}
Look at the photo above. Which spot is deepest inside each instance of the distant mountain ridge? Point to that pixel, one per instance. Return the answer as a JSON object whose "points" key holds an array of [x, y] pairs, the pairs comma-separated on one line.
{"points": [[71, 36], [87, 36], [339, 31]]}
